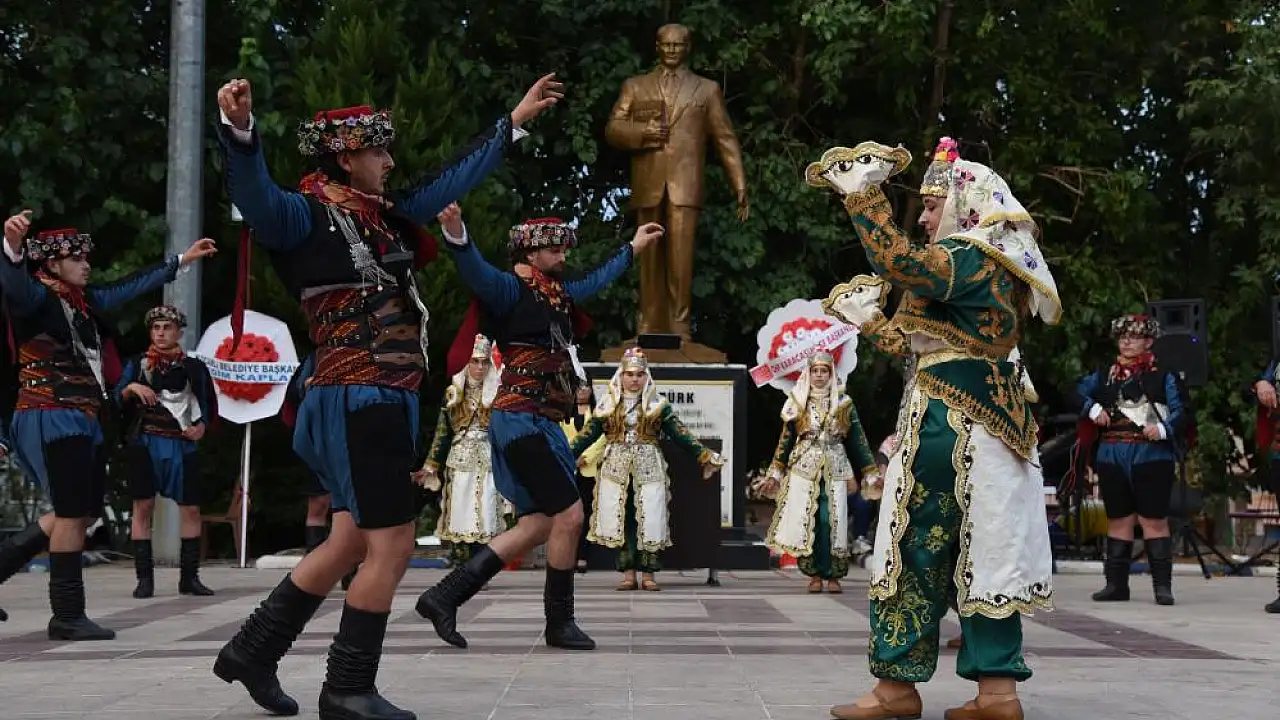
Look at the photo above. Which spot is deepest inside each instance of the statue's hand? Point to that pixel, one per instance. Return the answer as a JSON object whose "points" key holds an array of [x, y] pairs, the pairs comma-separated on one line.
{"points": [[857, 302], [853, 170]]}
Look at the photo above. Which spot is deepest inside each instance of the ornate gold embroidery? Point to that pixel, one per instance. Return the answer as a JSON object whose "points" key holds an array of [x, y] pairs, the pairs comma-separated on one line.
{"points": [[1020, 438], [886, 586]]}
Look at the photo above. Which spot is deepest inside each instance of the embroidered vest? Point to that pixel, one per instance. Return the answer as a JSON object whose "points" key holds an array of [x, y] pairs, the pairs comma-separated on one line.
{"points": [[52, 373], [362, 308], [534, 338], [156, 419]]}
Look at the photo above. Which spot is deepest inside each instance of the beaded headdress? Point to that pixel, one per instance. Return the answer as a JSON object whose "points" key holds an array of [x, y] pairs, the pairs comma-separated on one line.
{"points": [[353, 128], [634, 359], [57, 244], [165, 313], [937, 177], [1138, 325], [542, 233], [822, 357]]}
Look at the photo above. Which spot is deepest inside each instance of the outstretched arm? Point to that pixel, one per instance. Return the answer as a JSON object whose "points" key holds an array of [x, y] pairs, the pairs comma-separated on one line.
{"points": [[590, 433], [600, 278], [113, 295], [280, 218], [498, 291], [22, 292], [680, 434], [947, 270], [468, 167]]}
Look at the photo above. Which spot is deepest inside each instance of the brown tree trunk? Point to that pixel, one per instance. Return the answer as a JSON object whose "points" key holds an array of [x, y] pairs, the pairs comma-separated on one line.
{"points": [[941, 52]]}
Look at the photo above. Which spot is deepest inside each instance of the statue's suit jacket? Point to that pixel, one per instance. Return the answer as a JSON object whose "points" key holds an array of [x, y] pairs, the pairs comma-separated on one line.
{"points": [[697, 113]]}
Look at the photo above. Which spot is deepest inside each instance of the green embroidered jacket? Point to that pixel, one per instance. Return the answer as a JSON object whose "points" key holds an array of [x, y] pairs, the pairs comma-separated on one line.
{"points": [[845, 423], [651, 426], [957, 293]]}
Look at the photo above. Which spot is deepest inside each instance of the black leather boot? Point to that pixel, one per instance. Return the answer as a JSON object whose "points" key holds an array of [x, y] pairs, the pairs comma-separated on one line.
{"points": [[253, 655], [557, 601], [145, 566], [350, 690], [17, 550], [1160, 558], [440, 604], [66, 597], [316, 535], [1116, 570], [189, 567], [1273, 607]]}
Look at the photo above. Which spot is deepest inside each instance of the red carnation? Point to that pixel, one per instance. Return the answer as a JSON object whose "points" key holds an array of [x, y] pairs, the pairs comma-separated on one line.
{"points": [[252, 349]]}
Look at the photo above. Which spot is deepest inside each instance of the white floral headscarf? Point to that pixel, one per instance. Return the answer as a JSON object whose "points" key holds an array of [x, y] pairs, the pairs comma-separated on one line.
{"points": [[981, 209]]}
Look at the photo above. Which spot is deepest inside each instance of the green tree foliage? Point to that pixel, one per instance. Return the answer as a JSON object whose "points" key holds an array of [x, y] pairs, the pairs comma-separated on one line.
{"points": [[1143, 138]]}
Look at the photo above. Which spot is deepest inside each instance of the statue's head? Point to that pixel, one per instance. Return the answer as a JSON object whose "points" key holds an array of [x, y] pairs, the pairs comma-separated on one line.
{"points": [[673, 45], [858, 301]]}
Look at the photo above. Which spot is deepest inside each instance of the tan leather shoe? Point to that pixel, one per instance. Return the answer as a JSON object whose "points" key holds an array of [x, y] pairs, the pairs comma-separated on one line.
{"points": [[815, 585], [1003, 710], [833, 587], [904, 707]]}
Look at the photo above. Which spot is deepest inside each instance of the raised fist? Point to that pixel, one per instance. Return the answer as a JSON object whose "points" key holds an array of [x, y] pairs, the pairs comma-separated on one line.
{"points": [[235, 99]]}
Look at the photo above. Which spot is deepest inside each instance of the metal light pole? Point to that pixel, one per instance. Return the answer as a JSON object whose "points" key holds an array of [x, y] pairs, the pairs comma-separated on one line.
{"points": [[184, 207]]}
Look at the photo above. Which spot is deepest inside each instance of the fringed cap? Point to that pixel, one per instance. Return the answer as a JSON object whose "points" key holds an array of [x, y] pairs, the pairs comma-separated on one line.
{"points": [[165, 313], [353, 128], [937, 177], [57, 244], [542, 233], [1139, 325]]}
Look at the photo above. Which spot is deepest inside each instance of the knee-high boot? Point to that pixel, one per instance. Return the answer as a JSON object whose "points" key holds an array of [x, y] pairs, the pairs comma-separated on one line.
{"points": [[145, 567], [66, 598], [1116, 570], [1273, 607], [350, 690], [17, 551], [189, 567], [253, 655], [557, 599], [1160, 558], [440, 603]]}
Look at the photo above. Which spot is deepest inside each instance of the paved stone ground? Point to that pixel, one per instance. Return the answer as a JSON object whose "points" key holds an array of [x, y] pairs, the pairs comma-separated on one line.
{"points": [[756, 648]]}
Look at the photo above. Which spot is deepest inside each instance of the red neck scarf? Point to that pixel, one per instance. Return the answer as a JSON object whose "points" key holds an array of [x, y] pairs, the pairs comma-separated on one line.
{"points": [[365, 206], [73, 295], [159, 360], [1123, 369], [544, 285]]}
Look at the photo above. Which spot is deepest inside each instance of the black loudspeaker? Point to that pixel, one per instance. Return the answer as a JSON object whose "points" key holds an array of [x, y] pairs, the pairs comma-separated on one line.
{"points": [[1275, 326], [1183, 346]]}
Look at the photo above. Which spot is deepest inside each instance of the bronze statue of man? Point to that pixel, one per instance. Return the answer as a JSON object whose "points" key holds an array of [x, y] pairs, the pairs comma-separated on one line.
{"points": [[664, 119]]}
